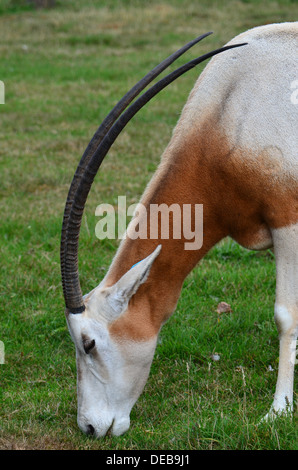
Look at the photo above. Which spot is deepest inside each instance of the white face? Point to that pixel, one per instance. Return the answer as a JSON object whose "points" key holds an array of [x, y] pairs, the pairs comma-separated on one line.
{"points": [[111, 372], [110, 376]]}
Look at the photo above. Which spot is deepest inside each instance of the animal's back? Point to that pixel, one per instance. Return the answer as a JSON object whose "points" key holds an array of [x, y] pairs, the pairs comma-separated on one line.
{"points": [[249, 92], [238, 134]]}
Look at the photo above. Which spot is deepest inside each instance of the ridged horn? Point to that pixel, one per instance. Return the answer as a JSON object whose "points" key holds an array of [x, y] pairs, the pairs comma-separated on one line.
{"points": [[101, 132], [92, 158]]}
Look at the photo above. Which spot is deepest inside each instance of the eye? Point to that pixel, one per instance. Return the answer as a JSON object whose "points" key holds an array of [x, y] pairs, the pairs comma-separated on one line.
{"points": [[88, 345]]}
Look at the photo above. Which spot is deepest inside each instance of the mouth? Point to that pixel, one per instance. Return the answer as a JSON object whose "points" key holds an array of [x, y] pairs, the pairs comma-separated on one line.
{"points": [[120, 426], [117, 427]]}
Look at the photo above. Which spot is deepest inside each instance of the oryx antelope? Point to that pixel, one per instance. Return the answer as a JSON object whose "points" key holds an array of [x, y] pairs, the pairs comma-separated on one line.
{"points": [[234, 150]]}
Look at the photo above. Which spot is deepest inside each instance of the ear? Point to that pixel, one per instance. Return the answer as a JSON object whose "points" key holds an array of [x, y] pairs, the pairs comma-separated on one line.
{"points": [[120, 293]]}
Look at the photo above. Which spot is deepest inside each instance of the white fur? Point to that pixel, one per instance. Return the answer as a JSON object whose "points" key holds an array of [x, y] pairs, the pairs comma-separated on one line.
{"points": [[113, 374], [286, 315], [247, 88], [110, 378]]}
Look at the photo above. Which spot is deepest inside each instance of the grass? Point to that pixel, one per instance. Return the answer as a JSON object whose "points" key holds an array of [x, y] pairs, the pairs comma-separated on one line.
{"points": [[63, 69]]}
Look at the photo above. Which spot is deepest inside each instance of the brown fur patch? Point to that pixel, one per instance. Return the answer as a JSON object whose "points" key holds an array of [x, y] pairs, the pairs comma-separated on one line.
{"points": [[244, 195]]}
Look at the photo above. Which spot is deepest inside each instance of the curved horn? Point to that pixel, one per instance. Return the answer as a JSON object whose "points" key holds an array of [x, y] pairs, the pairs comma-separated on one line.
{"points": [[104, 128], [86, 173], [101, 132]]}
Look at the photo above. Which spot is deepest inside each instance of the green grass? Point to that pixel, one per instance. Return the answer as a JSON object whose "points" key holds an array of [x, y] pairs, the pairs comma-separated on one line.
{"points": [[63, 69]]}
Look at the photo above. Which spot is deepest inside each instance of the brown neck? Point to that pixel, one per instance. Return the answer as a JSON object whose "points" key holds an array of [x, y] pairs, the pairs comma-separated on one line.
{"points": [[177, 181]]}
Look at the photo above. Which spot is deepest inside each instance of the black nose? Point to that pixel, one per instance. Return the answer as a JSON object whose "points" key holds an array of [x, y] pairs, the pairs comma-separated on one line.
{"points": [[90, 430]]}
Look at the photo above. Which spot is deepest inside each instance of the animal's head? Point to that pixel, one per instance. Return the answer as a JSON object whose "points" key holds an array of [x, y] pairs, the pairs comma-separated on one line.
{"points": [[111, 369]]}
